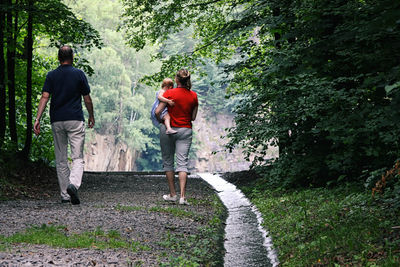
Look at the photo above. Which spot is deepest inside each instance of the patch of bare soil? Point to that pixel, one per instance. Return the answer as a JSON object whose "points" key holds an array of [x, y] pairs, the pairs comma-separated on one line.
{"points": [[26, 180]]}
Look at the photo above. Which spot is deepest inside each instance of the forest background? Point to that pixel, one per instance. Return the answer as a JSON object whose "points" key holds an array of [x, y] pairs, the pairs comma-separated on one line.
{"points": [[319, 80], [124, 138]]}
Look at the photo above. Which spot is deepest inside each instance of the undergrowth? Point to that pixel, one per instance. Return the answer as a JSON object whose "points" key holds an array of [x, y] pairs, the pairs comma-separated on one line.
{"points": [[341, 226], [203, 248], [21, 179], [58, 236]]}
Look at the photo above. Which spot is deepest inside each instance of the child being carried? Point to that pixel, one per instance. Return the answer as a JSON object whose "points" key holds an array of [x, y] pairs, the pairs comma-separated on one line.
{"points": [[167, 84]]}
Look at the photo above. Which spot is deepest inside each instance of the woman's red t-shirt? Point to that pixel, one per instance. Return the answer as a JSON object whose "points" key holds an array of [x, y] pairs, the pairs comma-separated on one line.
{"points": [[185, 101]]}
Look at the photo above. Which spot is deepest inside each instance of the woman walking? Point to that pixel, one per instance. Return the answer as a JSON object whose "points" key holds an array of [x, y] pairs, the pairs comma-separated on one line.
{"points": [[182, 114]]}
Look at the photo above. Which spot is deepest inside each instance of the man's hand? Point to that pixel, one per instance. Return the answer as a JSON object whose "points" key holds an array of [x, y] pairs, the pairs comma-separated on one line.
{"points": [[89, 106], [91, 122], [36, 127], [171, 103], [42, 105]]}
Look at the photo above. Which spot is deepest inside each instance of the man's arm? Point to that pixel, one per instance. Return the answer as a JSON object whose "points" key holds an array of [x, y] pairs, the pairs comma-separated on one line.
{"points": [[159, 109], [42, 106], [89, 106]]}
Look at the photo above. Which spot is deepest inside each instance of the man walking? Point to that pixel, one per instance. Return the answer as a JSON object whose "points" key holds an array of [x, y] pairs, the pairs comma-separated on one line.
{"points": [[66, 85]]}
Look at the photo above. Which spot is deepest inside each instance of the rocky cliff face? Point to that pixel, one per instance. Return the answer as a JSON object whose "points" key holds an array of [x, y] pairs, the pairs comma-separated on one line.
{"points": [[105, 153], [211, 156]]}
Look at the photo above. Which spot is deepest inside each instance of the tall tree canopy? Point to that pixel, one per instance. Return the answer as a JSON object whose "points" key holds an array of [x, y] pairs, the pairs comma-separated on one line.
{"points": [[318, 78], [24, 26]]}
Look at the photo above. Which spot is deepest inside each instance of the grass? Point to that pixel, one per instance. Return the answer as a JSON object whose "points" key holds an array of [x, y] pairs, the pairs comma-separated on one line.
{"points": [[175, 211], [203, 248], [192, 249], [58, 236], [329, 227]]}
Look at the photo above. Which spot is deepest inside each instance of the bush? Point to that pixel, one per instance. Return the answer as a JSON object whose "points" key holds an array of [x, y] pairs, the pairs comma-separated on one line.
{"points": [[387, 185]]}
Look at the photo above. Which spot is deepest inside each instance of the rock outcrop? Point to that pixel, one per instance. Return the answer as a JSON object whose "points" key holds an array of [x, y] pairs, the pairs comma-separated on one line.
{"points": [[106, 153], [211, 155]]}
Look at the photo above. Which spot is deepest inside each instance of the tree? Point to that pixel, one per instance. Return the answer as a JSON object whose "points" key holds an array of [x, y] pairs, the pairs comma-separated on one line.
{"points": [[12, 28], [311, 74], [29, 58], [26, 19], [2, 78], [123, 102]]}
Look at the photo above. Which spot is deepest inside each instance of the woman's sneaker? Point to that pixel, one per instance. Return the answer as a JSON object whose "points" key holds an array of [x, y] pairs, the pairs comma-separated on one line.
{"points": [[183, 201], [169, 198]]}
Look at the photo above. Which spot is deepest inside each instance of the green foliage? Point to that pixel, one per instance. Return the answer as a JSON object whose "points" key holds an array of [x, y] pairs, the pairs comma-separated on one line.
{"points": [[54, 24], [202, 248], [58, 236], [385, 185], [176, 211], [323, 103], [328, 227], [122, 102], [192, 249], [316, 78]]}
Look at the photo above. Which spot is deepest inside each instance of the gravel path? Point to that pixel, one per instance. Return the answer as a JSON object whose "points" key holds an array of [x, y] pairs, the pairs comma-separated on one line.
{"points": [[128, 203]]}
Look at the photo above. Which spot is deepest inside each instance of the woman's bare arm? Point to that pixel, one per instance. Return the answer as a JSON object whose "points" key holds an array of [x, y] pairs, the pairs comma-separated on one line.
{"points": [[194, 113]]}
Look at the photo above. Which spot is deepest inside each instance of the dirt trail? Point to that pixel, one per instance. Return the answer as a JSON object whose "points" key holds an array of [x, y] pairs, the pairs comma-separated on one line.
{"points": [[128, 203]]}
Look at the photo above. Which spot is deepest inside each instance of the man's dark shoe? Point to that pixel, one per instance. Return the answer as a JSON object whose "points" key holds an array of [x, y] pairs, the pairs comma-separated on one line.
{"points": [[73, 192], [65, 201]]}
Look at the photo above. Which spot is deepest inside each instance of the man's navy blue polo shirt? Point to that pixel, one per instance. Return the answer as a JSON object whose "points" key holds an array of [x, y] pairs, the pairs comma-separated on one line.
{"points": [[66, 85]]}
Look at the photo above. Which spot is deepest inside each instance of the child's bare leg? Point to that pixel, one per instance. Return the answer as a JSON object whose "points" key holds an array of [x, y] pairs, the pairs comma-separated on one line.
{"points": [[167, 122]]}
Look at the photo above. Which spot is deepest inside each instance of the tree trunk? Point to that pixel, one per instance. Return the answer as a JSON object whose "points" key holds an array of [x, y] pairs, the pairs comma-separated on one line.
{"points": [[28, 104], [120, 115], [282, 139], [2, 79], [11, 47], [276, 12]]}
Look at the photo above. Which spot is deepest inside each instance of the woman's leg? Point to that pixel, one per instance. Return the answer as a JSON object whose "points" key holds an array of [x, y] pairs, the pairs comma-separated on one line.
{"points": [[167, 152], [171, 182], [182, 145], [182, 183]]}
